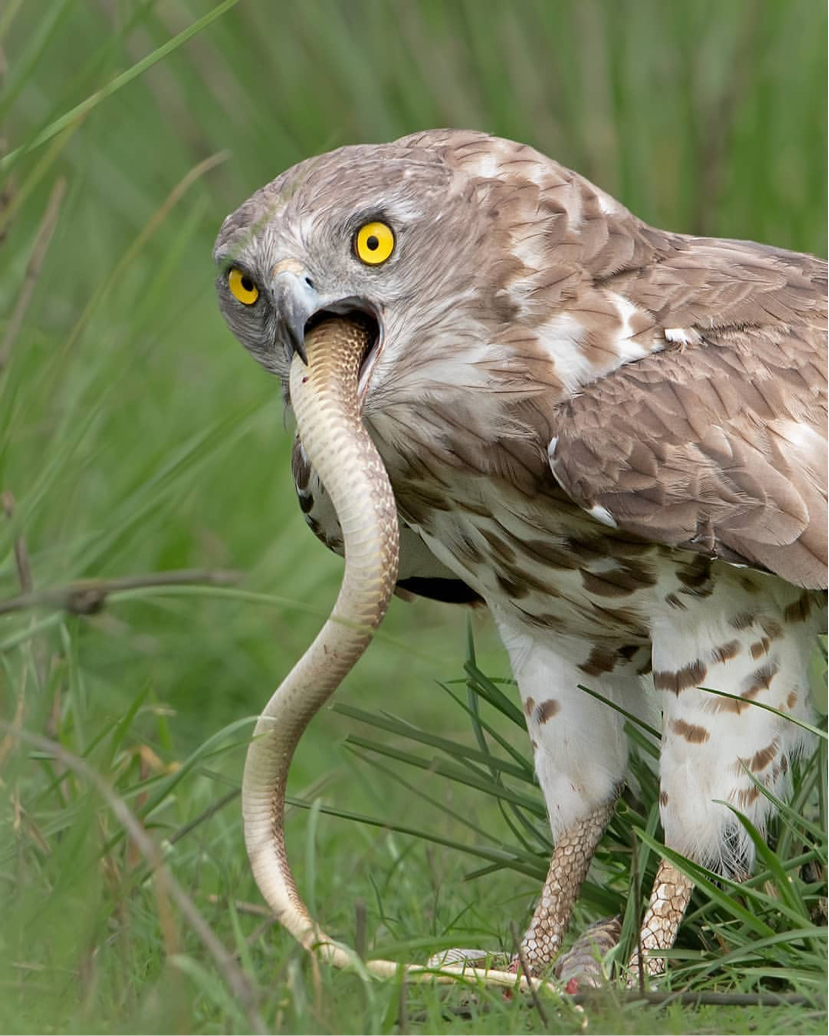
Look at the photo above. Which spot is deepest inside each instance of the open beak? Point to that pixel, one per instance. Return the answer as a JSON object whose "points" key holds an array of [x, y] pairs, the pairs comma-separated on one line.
{"points": [[300, 307]]}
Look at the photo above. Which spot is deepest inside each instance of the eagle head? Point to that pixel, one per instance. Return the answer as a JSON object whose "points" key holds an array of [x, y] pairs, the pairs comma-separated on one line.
{"points": [[422, 236]]}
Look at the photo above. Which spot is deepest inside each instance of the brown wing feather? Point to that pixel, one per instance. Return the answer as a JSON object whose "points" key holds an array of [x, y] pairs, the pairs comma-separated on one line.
{"points": [[719, 445]]}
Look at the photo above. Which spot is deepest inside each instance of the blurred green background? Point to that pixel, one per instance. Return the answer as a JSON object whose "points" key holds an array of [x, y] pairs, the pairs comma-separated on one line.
{"points": [[137, 435]]}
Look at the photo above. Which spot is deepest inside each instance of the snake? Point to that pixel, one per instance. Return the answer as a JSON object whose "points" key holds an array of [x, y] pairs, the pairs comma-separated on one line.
{"points": [[324, 393]]}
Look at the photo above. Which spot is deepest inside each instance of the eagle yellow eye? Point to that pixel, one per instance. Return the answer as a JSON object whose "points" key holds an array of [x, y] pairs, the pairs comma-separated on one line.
{"points": [[374, 243], [242, 286]]}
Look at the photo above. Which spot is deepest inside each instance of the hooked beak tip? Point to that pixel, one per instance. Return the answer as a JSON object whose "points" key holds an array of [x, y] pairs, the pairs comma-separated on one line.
{"points": [[296, 300], [294, 340], [295, 336]]}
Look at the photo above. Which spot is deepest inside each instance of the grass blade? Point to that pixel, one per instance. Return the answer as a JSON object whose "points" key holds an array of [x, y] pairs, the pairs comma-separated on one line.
{"points": [[87, 105]]}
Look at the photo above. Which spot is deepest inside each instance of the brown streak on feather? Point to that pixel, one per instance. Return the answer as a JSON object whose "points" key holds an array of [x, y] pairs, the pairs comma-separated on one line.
{"points": [[546, 710], [514, 591], [742, 620], [696, 577], [771, 627], [551, 554], [692, 733], [725, 652], [680, 680], [761, 679], [747, 797], [761, 758], [800, 610], [600, 660], [629, 577], [502, 550], [760, 647], [758, 681]]}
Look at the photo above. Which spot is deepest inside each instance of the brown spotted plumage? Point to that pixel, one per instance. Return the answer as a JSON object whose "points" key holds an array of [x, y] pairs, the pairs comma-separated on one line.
{"points": [[613, 436]]}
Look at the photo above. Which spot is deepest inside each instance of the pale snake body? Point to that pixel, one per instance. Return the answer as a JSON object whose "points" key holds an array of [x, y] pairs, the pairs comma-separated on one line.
{"points": [[325, 398]]}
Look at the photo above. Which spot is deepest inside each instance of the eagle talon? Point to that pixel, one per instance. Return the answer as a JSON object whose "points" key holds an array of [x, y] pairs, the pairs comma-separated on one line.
{"points": [[581, 965]]}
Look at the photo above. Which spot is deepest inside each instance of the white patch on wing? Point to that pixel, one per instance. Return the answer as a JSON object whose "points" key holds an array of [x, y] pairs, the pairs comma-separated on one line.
{"points": [[574, 204], [531, 249], [486, 166], [537, 174], [805, 450], [628, 349], [683, 335], [802, 436], [601, 514], [600, 566], [561, 338], [609, 206]]}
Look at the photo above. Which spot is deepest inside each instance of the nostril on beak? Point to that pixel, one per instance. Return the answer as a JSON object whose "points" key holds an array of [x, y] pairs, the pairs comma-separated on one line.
{"points": [[310, 283]]}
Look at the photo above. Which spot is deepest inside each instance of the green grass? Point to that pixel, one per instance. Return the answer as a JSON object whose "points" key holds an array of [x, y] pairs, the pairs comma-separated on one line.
{"points": [[136, 437]]}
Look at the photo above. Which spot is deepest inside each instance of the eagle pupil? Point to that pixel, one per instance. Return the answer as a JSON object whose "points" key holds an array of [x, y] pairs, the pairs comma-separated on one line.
{"points": [[372, 243], [247, 284]]}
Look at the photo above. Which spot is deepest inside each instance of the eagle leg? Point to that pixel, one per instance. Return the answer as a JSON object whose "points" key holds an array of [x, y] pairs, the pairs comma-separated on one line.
{"points": [[568, 869], [668, 903], [580, 754]]}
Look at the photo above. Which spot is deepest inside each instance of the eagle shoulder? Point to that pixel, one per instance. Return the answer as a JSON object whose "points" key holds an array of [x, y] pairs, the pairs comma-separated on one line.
{"points": [[717, 443]]}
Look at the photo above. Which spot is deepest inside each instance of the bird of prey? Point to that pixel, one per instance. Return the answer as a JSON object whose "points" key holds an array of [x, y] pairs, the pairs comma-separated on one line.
{"points": [[610, 435]]}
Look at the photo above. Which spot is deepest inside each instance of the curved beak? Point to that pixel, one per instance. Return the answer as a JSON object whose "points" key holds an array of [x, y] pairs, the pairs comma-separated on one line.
{"points": [[296, 300]]}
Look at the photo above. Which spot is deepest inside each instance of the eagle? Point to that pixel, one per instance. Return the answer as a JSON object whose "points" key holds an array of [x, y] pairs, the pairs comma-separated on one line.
{"points": [[611, 436]]}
